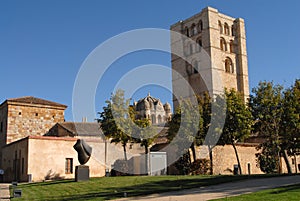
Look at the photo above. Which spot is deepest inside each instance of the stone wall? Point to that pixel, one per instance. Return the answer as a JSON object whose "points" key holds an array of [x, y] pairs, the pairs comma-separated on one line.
{"points": [[35, 120]]}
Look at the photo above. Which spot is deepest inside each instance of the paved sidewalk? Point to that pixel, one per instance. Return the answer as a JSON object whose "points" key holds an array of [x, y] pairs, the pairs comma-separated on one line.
{"points": [[4, 192], [221, 190]]}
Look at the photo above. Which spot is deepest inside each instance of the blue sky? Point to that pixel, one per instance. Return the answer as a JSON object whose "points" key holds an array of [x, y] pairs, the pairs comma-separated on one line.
{"points": [[44, 43]]}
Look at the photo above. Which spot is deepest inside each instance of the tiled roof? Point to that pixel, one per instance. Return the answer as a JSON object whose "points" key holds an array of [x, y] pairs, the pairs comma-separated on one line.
{"points": [[34, 100], [82, 128]]}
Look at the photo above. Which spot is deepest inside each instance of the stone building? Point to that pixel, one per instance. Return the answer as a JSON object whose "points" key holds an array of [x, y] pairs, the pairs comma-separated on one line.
{"points": [[215, 55], [36, 143], [153, 109]]}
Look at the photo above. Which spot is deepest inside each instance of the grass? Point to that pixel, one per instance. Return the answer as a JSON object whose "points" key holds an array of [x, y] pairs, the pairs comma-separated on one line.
{"points": [[286, 193], [107, 188]]}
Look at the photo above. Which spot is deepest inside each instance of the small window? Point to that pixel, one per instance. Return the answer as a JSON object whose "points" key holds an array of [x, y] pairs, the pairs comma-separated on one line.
{"points": [[36, 114], [193, 30], [232, 30], [228, 65], [20, 113], [199, 44], [69, 166], [223, 44], [293, 161], [220, 28], [1, 127], [200, 26], [226, 29], [189, 68], [195, 67], [186, 30]]}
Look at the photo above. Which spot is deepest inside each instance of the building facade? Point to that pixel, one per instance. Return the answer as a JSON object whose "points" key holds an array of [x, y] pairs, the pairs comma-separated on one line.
{"points": [[214, 54], [153, 109]]}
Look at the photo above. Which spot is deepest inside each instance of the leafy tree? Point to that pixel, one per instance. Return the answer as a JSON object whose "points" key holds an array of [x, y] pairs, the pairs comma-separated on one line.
{"points": [[267, 110], [184, 130], [115, 120], [290, 126], [238, 122]]}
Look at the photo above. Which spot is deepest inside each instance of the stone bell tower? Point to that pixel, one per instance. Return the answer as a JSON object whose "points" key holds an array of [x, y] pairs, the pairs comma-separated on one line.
{"points": [[223, 40]]}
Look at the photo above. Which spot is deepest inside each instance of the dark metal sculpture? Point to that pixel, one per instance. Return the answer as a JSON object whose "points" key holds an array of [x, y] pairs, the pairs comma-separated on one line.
{"points": [[84, 151]]}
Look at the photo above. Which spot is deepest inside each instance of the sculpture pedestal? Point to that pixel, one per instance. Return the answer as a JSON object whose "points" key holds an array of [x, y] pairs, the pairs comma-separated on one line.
{"points": [[82, 173]]}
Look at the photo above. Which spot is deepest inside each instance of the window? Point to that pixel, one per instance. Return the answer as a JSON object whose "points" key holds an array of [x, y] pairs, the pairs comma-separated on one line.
{"points": [[191, 49], [193, 30], [36, 114], [69, 166], [228, 65], [199, 46], [226, 29], [200, 26], [189, 68], [223, 44], [220, 28], [1, 127], [232, 30], [231, 46], [186, 30]]}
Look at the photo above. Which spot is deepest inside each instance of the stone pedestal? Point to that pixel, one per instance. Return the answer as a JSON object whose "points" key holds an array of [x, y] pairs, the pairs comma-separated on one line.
{"points": [[82, 173]]}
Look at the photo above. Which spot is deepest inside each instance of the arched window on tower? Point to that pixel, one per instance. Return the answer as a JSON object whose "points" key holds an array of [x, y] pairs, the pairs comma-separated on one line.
{"points": [[223, 44], [220, 27], [229, 65], [191, 48], [233, 30], [193, 30], [200, 26], [199, 44], [226, 29], [186, 31], [231, 44]]}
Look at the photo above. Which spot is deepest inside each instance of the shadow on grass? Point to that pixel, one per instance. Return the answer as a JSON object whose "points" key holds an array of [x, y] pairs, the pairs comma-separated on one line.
{"points": [[151, 187], [286, 189]]}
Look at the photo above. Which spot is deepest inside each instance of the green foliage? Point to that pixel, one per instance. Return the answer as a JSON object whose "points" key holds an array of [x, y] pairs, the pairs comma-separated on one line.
{"points": [[115, 120], [266, 105]]}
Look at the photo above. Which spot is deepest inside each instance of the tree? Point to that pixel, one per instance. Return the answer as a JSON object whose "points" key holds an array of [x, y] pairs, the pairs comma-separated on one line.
{"points": [[184, 130], [115, 120], [267, 110], [238, 122], [290, 126]]}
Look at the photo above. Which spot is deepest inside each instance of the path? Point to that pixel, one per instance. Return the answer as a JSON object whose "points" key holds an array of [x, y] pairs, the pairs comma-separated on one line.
{"points": [[4, 192], [221, 190]]}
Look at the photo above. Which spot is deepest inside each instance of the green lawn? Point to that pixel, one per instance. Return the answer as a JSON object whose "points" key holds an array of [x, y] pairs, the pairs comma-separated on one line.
{"points": [[114, 187], [286, 193]]}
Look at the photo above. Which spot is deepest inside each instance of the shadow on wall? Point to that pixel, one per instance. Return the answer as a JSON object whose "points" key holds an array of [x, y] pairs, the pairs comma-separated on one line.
{"points": [[53, 176]]}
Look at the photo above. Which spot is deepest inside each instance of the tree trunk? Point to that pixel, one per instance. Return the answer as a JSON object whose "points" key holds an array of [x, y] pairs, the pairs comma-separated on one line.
{"points": [[146, 160], [125, 152], [210, 159], [237, 157], [193, 151], [287, 162]]}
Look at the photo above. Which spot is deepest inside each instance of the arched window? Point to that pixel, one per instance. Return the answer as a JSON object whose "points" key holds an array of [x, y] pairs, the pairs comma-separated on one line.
{"points": [[220, 27], [233, 30], [226, 29], [223, 44], [186, 31], [199, 44], [153, 119], [193, 30], [228, 65], [195, 66], [231, 44], [200, 26], [189, 68], [159, 119]]}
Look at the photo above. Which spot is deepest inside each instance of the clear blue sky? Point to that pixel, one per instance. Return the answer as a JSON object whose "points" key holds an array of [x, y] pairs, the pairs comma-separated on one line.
{"points": [[43, 43]]}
